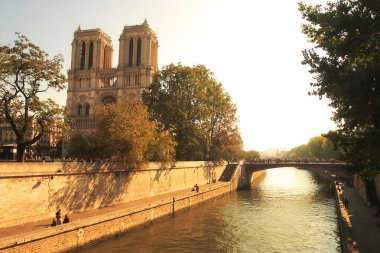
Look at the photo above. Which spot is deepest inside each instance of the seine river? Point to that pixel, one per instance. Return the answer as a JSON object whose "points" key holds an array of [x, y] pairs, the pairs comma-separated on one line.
{"points": [[290, 210]]}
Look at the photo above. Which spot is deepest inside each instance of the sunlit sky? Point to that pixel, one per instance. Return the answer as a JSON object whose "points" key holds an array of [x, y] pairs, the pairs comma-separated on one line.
{"points": [[253, 47]]}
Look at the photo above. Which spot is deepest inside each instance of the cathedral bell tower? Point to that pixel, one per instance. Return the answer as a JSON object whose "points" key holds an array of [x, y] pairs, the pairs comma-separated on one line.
{"points": [[91, 49], [93, 81], [138, 57]]}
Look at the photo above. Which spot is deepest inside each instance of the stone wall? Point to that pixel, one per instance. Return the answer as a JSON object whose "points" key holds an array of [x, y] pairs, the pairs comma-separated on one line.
{"points": [[34, 191], [360, 186], [79, 233], [83, 232], [244, 176]]}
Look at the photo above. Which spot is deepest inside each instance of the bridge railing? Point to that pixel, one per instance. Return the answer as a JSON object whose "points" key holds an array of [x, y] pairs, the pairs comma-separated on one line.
{"points": [[292, 161]]}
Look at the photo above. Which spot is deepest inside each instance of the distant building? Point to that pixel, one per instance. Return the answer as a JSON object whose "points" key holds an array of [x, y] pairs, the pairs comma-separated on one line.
{"points": [[50, 144], [8, 152], [8, 143], [93, 81]]}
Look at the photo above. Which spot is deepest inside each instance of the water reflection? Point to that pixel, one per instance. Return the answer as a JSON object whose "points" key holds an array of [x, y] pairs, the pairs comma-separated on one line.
{"points": [[291, 210]]}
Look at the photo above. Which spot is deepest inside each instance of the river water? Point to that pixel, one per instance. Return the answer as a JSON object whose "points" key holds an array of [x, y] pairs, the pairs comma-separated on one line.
{"points": [[290, 210]]}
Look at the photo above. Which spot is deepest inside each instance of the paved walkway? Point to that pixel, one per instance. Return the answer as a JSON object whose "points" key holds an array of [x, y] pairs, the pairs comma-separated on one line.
{"points": [[364, 230], [364, 234], [34, 226]]}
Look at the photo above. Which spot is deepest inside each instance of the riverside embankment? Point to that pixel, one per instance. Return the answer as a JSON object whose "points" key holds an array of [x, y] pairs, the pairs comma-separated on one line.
{"points": [[35, 191], [358, 227], [102, 201], [289, 210]]}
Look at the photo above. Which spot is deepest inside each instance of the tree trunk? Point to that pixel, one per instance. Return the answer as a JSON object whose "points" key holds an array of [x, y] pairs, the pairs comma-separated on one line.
{"points": [[20, 157]]}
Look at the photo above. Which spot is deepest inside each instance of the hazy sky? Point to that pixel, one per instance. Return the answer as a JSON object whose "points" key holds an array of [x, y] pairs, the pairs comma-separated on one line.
{"points": [[253, 48]]}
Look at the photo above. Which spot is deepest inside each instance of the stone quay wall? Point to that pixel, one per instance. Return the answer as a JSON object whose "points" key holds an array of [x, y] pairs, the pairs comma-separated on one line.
{"points": [[360, 186], [71, 236], [77, 234], [35, 191]]}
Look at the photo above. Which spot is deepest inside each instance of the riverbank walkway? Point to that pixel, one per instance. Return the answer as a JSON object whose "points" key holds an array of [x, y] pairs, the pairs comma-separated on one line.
{"points": [[42, 224], [364, 231]]}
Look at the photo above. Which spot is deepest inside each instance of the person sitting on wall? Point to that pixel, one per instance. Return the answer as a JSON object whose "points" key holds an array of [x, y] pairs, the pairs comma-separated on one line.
{"points": [[195, 188], [54, 223], [66, 219]]}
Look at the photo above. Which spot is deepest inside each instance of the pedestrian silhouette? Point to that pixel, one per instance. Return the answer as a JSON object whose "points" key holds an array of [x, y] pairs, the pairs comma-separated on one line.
{"points": [[345, 203]]}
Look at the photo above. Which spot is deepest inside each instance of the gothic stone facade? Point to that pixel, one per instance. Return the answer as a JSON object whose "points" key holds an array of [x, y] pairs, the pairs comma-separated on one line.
{"points": [[93, 81]]}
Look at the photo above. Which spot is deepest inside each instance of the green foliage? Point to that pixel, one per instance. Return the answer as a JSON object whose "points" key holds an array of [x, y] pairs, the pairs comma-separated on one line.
{"points": [[251, 154], [84, 147], [161, 148], [232, 147], [125, 133], [345, 63], [193, 107], [25, 73], [318, 147]]}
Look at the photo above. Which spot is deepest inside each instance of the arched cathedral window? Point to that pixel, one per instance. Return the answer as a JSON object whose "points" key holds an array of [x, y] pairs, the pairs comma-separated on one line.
{"points": [[130, 55], [90, 57], [129, 80], [138, 62], [82, 55], [105, 57], [87, 111], [79, 110], [137, 80]]}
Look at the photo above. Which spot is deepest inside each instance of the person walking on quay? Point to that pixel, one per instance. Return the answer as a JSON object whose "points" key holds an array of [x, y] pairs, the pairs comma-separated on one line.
{"points": [[58, 217], [346, 203]]}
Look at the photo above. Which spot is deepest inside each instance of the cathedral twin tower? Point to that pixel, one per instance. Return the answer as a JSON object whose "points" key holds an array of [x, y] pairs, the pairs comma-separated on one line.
{"points": [[93, 81]]}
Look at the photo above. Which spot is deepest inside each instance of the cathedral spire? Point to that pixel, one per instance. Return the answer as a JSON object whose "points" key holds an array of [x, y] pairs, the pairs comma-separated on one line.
{"points": [[145, 23]]}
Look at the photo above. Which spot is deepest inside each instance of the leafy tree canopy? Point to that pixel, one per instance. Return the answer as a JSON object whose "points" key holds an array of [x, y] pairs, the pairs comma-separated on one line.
{"points": [[190, 104], [26, 71], [124, 132], [251, 155], [318, 147], [84, 147], [345, 64]]}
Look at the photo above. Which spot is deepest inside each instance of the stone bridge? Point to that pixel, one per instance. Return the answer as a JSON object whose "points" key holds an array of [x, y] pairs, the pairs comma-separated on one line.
{"points": [[244, 174], [256, 166]]}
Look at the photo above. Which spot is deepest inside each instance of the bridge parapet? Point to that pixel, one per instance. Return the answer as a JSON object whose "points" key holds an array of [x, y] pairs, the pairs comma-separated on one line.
{"points": [[275, 164]]}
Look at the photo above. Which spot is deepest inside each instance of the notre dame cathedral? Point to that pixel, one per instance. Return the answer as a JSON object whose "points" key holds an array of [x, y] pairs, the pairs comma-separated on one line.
{"points": [[92, 80]]}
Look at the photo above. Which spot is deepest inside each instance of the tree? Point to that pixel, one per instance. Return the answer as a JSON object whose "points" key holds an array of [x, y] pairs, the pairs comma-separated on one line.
{"points": [[251, 155], [125, 132], [193, 107], [84, 146], [315, 147], [233, 147], [345, 63], [299, 152], [161, 147], [318, 147], [25, 73]]}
